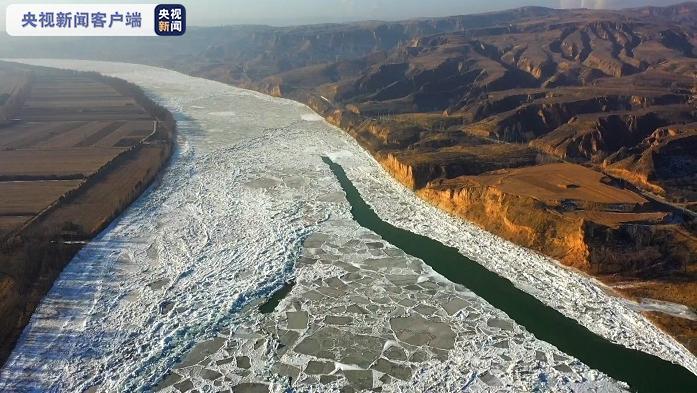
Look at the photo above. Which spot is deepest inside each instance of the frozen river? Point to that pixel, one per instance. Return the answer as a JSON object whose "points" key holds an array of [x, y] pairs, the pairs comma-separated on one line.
{"points": [[167, 297]]}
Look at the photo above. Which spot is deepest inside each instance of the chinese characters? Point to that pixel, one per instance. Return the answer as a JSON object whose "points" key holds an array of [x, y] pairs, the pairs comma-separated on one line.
{"points": [[65, 20], [170, 19]]}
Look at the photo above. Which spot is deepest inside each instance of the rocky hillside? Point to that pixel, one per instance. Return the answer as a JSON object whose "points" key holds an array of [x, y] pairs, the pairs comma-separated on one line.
{"points": [[571, 132], [600, 88]]}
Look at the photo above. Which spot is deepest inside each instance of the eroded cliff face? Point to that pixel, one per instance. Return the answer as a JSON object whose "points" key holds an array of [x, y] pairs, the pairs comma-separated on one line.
{"points": [[518, 219], [404, 173], [665, 163], [416, 173], [589, 225], [595, 224]]}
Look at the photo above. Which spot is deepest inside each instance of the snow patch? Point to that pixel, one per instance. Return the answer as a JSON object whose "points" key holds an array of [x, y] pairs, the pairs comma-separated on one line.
{"points": [[311, 117]]}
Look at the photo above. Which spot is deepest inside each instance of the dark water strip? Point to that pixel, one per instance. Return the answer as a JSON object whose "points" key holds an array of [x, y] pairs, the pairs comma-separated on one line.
{"points": [[270, 305], [643, 372]]}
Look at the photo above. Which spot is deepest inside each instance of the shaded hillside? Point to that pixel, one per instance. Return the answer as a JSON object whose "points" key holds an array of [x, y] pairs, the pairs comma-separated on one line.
{"points": [[579, 85]]}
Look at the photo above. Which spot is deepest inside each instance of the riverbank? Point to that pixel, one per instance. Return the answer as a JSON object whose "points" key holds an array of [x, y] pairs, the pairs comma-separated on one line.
{"points": [[116, 153], [568, 212], [631, 366], [589, 238]]}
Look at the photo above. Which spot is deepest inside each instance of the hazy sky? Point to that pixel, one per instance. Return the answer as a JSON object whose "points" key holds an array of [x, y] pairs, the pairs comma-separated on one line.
{"points": [[289, 12]]}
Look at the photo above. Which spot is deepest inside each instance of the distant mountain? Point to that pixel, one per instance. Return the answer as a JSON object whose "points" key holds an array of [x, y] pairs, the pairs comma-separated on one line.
{"points": [[260, 51]]}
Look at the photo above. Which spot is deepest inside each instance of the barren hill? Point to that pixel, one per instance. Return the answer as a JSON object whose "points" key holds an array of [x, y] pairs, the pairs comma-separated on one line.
{"points": [[568, 131]]}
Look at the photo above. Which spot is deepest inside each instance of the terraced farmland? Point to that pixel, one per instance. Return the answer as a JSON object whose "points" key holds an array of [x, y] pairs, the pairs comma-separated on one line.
{"points": [[68, 128]]}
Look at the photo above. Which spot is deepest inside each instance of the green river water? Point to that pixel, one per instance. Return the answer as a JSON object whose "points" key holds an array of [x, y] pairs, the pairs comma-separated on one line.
{"points": [[643, 372]]}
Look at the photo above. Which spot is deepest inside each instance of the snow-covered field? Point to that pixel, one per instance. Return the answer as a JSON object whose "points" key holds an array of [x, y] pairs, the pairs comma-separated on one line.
{"points": [[226, 226]]}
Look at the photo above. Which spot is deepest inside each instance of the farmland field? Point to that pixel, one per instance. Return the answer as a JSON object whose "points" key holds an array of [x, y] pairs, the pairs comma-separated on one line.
{"points": [[51, 164], [30, 197], [68, 127], [75, 150], [88, 209]]}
